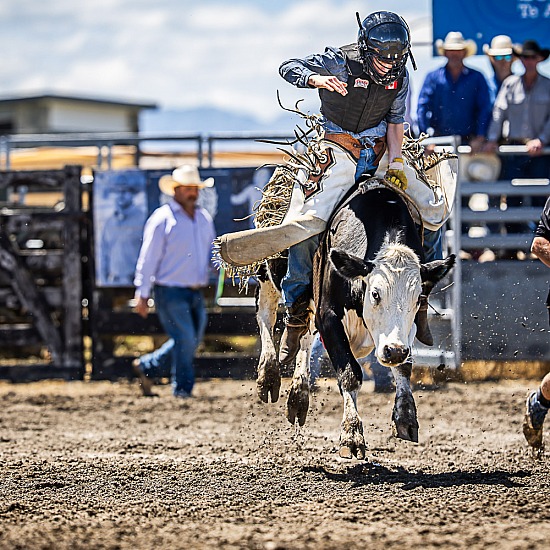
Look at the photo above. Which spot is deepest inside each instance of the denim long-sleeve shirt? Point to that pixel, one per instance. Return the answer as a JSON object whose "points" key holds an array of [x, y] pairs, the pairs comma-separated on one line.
{"points": [[333, 63], [176, 249], [449, 108]]}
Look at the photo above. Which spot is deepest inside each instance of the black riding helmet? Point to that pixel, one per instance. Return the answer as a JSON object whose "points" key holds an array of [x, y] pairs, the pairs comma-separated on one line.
{"points": [[386, 36]]}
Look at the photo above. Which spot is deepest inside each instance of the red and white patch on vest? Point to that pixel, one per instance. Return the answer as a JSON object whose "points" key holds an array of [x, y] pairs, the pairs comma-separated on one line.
{"points": [[360, 83], [392, 86]]}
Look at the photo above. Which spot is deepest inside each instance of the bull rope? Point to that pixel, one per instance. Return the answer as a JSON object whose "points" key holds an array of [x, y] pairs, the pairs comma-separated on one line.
{"points": [[413, 153]]}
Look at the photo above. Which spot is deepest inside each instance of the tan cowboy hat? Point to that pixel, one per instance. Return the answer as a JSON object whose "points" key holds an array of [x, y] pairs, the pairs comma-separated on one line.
{"points": [[455, 41], [187, 175], [480, 167], [500, 45]]}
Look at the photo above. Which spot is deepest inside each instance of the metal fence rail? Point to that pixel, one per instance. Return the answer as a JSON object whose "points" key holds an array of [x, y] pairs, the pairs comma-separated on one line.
{"points": [[106, 141], [499, 305]]}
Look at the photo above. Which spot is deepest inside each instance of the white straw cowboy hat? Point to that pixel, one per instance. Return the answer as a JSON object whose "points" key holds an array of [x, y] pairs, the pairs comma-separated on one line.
{"points": [[187, 175], [456, 42], [480, 167], [500, 45]]}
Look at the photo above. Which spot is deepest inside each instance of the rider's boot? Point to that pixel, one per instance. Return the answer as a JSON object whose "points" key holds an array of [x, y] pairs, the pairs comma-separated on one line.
{"points": [[296, 325], [423, 332]]}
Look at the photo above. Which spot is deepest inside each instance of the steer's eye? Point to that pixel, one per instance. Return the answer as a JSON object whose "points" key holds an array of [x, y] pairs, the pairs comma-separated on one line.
{"points": [[375, 296]]}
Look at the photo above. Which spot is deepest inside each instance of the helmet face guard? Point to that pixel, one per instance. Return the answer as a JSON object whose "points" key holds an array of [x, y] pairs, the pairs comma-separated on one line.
{"points": [[384, 46]]}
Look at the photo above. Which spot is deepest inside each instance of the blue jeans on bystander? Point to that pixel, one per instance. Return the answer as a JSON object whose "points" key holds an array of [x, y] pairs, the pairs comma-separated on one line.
{"points": [[182, 314]]}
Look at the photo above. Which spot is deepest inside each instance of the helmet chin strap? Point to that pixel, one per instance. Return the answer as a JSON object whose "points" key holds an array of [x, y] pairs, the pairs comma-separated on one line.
{"points": [[359, 21], [413, 62]]}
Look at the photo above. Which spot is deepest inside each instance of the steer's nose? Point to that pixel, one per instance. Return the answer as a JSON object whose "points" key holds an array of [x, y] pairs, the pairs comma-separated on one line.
{"points": [[396, 354]]}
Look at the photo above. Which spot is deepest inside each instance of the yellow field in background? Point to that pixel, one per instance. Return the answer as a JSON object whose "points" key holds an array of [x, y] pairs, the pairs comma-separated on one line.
{"points": [[54, 158]]}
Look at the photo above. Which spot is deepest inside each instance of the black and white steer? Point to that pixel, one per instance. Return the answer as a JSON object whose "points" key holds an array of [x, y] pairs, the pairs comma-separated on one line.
{"points": [[369, 274]]}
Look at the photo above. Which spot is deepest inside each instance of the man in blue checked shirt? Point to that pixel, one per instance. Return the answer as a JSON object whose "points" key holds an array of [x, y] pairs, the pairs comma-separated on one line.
{"points": [[454, 99]]}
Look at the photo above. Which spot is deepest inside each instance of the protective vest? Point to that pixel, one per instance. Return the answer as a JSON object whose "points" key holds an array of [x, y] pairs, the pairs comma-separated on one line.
{"points": [[366, 103]]}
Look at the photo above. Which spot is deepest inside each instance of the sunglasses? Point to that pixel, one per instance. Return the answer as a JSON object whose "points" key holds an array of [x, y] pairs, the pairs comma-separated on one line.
{"points": [[507, 57]]}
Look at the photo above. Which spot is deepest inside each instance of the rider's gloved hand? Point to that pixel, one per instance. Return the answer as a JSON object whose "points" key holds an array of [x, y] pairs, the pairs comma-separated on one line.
{"points": [[396, 174]]}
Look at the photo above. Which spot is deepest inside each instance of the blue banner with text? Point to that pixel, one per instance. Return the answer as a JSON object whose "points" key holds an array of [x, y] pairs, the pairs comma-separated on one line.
{"points": [[481, 20]]}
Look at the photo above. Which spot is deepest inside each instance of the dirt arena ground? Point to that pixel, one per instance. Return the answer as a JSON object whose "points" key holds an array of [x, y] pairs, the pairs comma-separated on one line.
{"points": [[94, 465]]}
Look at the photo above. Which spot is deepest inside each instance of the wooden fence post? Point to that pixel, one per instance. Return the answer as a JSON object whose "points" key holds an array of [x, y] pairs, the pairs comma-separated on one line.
{"points": [[72, 270]]}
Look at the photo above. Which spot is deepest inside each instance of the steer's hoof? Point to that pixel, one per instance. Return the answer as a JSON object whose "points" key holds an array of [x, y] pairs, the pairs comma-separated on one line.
{"points": [[408, 432], [297, 406], [348, 452], [269, 384], [405, 423], [294, 413], [265, 391], [352, 440]]}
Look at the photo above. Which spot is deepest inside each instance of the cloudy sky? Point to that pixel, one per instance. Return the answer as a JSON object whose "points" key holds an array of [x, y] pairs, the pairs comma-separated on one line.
{"points": [[183, 53]]}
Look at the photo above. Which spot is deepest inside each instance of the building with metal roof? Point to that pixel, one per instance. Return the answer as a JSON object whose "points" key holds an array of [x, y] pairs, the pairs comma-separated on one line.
{"points": [[53, 114]]}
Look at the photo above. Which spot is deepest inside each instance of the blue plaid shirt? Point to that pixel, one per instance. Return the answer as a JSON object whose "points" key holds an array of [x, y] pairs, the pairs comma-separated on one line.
{"points": [[450, 108]]}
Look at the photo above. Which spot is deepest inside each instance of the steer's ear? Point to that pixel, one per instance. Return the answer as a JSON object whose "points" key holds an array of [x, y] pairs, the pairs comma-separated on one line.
{"points": [[432, 272], [350, 267]]}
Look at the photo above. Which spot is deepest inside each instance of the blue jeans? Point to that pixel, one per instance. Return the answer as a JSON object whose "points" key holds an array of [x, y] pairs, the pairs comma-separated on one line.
{"points": [[182, 315], [433, 245]]}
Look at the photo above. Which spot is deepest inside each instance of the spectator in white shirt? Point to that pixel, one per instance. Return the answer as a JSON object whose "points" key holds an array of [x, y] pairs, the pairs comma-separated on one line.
{"points": [[173, 266]]}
